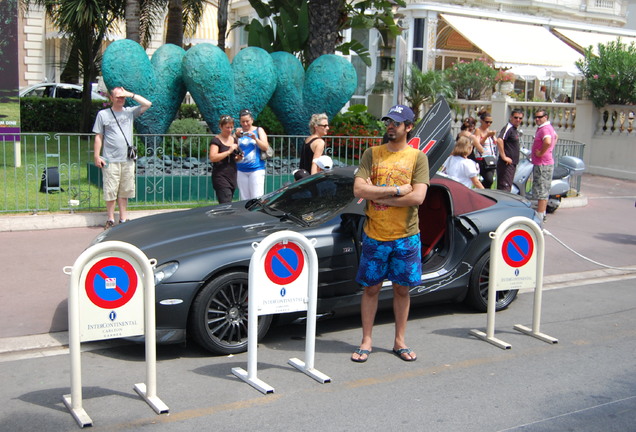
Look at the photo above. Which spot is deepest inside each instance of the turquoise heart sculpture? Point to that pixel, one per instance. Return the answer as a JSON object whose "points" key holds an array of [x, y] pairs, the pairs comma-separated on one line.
{"points": [[126, 64], [220, 88], [326, 87]]}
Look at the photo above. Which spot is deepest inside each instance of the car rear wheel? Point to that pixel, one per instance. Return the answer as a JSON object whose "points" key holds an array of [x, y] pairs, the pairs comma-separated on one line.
{"points": [[219, 315], [478, 287]]}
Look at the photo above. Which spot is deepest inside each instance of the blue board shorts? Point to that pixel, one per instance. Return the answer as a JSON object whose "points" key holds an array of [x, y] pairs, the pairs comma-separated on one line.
{"points": [[399, 261]]}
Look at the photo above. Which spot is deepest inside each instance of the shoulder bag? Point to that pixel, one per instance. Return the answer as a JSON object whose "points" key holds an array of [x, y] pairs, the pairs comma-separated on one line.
{"points": [[132, 152]]}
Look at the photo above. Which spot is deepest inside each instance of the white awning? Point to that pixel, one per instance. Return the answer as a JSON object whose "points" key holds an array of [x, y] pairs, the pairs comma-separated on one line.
{"points": [[584, 39], [529, 72], [511, 44]]}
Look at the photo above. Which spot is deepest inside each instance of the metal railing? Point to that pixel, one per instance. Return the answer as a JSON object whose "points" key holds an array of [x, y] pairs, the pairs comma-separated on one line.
{"points": [[55, 172], [564, 147]]}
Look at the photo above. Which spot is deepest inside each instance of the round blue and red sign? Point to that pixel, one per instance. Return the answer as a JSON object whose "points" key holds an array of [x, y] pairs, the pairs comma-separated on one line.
{"points": [[517, 248], [284, 263], [111, 283]]}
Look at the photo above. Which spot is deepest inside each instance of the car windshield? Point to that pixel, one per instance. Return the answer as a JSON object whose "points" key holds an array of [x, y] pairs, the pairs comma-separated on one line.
{"points": [[309, 201]]}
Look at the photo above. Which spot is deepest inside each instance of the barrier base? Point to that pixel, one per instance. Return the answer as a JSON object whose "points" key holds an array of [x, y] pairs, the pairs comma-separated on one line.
{"points": [[259, 385], [154, 402], [538, 335], [80, 416], [315, 374], [492, 340]]}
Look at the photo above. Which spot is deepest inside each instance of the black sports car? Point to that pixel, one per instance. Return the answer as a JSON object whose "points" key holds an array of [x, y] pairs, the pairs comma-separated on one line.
{"points": [[203, 254]]}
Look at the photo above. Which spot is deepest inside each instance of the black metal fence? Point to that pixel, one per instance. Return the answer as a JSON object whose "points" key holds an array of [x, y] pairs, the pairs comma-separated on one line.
{"points": [[55, 172]]}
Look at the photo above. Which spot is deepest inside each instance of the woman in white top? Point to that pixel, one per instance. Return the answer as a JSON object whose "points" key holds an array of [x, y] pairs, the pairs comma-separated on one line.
{"points": [[459, 167], [486, 152]]}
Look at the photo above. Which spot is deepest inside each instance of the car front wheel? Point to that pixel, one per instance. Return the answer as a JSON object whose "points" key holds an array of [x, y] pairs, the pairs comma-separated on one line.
{"points": [[478, 287], [219, 315]]}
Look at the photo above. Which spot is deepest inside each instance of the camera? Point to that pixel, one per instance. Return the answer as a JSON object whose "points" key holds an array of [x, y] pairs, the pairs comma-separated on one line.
{"points": [[237, 152], [245, 133]]}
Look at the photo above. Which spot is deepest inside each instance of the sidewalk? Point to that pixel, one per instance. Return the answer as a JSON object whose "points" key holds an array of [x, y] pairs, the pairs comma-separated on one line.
{"points": [[47, 221]]}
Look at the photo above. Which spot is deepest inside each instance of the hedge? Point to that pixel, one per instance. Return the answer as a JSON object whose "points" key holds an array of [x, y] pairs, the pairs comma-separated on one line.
{"points": [[39, 114]]}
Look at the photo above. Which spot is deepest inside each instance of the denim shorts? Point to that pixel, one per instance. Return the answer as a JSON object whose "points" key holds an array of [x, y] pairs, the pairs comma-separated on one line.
{"points": [[399, 261]]}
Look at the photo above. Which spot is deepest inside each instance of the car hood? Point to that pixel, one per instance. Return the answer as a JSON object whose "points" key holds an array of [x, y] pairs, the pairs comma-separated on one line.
{"points": [[176, 235]]}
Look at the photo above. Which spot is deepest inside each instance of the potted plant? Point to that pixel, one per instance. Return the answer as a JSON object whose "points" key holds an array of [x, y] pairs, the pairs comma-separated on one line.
{"points": [[505, 81]]}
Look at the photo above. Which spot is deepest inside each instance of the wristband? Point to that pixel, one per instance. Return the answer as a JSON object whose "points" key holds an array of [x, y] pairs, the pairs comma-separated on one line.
{"points": [[133, 96], [397, 191]]}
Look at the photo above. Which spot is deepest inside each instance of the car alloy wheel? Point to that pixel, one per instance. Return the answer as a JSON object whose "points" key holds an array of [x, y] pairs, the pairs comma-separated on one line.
{"points": [[219, 314], [477, 296]]}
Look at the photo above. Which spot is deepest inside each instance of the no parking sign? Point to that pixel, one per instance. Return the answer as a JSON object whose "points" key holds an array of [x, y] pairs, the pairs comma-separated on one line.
{"points": [[514, 258], [283, 278], [516, 262], [111, 295], [110, 303], [284, 287]]}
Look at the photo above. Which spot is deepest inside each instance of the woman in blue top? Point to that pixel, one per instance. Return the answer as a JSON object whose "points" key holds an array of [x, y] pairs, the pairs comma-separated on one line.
{"points": [[252, 141]]}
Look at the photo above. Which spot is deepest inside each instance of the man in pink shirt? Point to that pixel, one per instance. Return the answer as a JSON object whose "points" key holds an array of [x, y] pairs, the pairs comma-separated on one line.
{"points": [[544, 141]]}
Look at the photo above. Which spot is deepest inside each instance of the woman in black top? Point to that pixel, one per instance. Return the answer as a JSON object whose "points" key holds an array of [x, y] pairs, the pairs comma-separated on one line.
{"points": [[314, 144], [224, 153]]}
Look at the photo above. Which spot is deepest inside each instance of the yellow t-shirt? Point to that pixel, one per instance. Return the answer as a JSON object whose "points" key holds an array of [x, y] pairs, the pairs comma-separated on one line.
{"points": [[387, 168]]}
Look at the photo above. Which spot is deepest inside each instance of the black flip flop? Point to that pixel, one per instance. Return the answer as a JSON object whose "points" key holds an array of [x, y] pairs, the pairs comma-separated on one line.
{"points": [[361, 352], [399, 352]]}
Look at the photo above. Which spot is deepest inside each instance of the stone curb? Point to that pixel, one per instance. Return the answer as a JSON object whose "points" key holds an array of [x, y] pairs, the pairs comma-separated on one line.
{"points": [[572, 202], [85, 220], [65, 220]]}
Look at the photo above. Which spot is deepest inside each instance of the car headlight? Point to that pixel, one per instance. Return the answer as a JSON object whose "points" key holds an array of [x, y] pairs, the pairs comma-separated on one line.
{"points": [[164, 271]]}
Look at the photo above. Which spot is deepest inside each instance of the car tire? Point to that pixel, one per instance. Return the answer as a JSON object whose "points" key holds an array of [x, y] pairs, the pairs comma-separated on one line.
{"points": [[477, 296], [219, 315]]}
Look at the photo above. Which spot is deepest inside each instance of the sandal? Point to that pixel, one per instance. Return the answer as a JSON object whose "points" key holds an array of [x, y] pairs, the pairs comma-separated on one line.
{"points": [[401, 354], [360, 353]]}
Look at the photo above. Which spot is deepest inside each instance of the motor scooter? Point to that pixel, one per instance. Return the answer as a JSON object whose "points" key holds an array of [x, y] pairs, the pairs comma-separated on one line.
{"points": [[565, 168]]}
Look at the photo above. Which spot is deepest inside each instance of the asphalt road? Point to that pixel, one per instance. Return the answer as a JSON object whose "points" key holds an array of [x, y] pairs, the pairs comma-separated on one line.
{"points": [[585, 382]]}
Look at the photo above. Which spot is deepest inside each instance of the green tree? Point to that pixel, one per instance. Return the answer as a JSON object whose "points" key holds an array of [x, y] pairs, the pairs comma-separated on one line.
{"points": [[222, 12], [610, 75], [132, 18], [311, 28], [183, 18], [85, 22], [142, 18], [424, 88], [471, 79]]}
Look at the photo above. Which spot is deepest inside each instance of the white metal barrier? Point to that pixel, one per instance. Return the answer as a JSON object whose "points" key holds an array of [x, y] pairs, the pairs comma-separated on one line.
{"points": [[104, 303], [283, 278], [516, 261]]}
